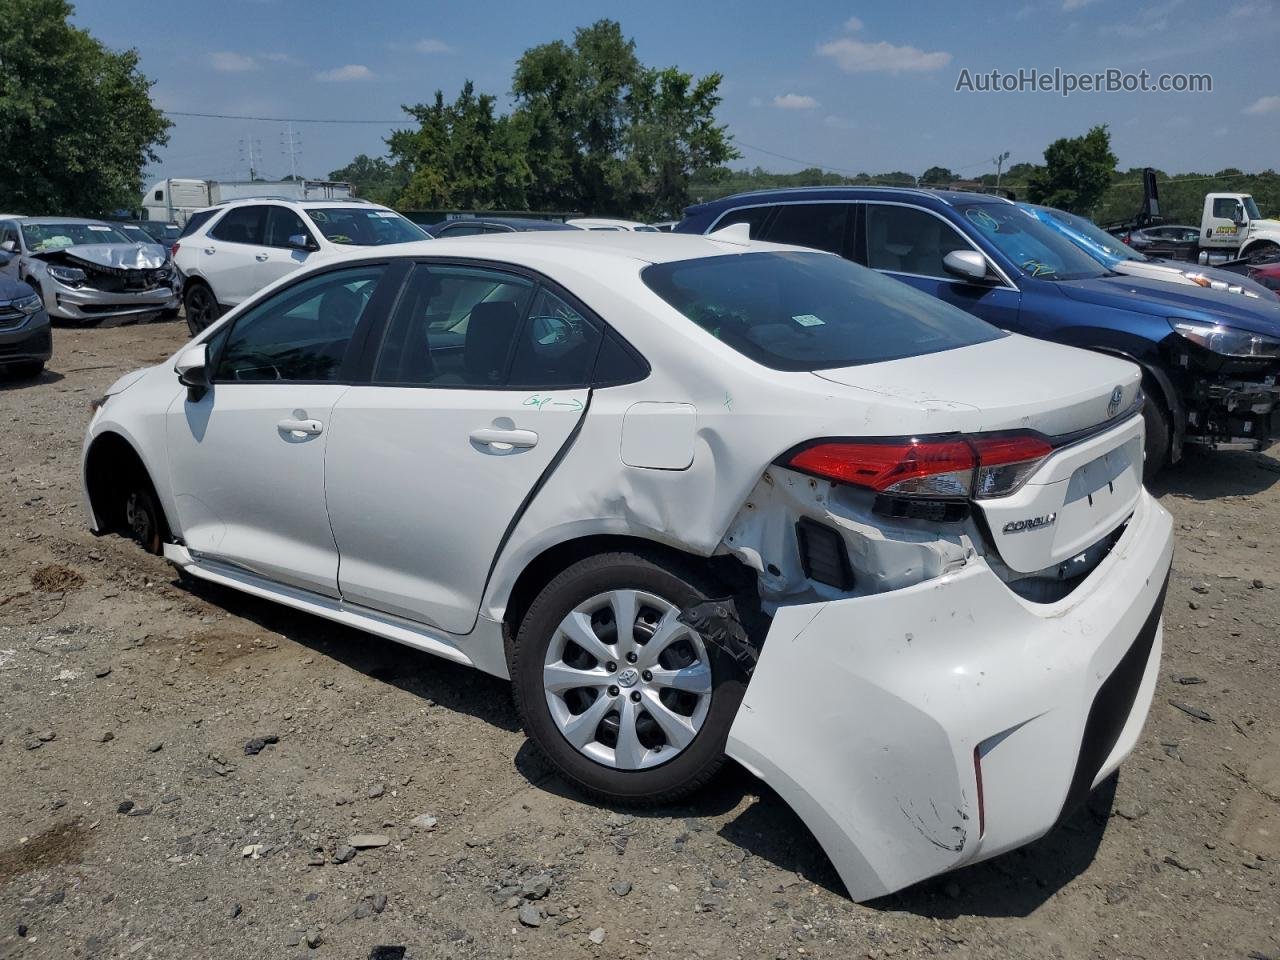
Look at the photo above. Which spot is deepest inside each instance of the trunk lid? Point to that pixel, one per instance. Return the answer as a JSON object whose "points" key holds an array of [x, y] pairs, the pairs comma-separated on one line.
{"points": [[1084, 401]]}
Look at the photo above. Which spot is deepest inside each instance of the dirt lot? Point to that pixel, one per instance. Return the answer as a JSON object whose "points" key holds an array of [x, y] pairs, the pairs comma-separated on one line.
{"points": [[138, 820]]}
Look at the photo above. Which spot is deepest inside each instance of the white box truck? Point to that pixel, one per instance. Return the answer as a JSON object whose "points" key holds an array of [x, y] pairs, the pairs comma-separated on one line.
{"points": [[174, 199]]}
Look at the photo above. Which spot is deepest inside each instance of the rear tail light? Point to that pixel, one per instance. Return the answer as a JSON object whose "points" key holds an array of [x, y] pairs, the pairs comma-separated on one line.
{"points": [[958, 468], [173, 251]]}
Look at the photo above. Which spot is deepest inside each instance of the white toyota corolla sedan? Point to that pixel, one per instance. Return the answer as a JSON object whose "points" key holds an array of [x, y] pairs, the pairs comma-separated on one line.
{"points": [[696, 497]]}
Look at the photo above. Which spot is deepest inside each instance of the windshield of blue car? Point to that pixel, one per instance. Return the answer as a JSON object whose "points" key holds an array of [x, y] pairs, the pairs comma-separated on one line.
{"points": [[1090, 236], [365, 226], [1037, 249], [811, 311], [51, 236]]}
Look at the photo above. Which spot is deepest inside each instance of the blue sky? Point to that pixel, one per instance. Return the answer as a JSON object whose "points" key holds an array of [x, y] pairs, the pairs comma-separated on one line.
{"points": [[848, 86]]}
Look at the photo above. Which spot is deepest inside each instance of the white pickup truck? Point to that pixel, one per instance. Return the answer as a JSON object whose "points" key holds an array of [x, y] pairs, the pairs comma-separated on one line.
{"points": [[1231, 226]]}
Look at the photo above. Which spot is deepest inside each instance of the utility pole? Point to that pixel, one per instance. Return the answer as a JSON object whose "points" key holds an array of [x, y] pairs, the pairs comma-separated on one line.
{"points": [[999, 162], [252, 152]]}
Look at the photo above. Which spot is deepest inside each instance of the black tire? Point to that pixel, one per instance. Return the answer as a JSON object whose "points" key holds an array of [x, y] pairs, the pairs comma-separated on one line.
{"points": [[26, 371], [677, 583], [143, 519], [1262, 252], [1159, 433], [201, 306]]}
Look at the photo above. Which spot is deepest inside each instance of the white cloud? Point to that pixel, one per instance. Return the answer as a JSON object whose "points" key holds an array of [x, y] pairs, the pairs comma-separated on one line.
{"points": [[432, 45], [1264, 105], [228, 61], [853, 24], [1070, 5], [857, 56], [352, 71], [794, 101]]}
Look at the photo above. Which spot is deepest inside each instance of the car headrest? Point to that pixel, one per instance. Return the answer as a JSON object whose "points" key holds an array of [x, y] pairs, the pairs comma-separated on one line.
{"points": [[490, 332]]}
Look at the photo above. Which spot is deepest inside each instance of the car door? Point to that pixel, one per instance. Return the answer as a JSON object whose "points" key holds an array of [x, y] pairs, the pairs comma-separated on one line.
{"points": [[246, 456], [229, 253], [278, 257], [909, 243], [479, 383]]}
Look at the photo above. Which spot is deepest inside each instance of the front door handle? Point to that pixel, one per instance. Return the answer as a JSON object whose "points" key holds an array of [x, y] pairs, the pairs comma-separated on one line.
{"points": [[300, 428], [504, 439], [261, 257], [210, 249]]}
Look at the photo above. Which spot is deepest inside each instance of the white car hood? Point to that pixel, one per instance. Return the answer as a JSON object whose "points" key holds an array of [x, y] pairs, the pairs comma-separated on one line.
{"points": [[115, 256]]}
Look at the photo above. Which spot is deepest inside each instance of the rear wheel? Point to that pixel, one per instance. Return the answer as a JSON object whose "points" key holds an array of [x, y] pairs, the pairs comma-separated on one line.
{"points": [[201, 306], [1159, 433], [627, 702]]}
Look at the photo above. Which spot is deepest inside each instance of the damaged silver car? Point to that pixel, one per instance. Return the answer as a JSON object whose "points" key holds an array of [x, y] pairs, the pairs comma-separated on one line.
{"points": [[87, 271]]}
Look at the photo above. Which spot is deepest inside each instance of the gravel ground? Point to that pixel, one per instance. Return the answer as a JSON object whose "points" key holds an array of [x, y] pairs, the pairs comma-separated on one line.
{"points": [[189, 772]]}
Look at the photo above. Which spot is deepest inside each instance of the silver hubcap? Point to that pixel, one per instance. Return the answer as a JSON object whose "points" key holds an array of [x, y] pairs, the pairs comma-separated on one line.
{"points": [[138, 519], [627, 684]]}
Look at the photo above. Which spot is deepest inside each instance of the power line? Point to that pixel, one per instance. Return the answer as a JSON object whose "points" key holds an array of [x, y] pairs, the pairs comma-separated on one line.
{"points": [[232, 116]]}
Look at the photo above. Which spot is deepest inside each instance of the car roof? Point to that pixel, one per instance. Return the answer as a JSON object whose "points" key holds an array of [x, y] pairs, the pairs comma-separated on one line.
{"points": [[811, 194], [573, 247], [310, 204]]}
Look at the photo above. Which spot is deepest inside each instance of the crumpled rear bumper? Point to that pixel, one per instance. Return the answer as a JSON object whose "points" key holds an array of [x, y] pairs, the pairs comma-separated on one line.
{"points": [[875, 717]]}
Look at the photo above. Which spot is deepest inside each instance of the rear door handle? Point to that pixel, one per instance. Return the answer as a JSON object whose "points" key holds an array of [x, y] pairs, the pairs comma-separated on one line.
{"points": [[261, 256], [300, 428], [504, 439], [210, 249]]}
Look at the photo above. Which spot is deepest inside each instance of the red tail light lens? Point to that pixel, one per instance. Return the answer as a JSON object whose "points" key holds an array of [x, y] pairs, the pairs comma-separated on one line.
{"points": [[173, 251], [962, 467]]}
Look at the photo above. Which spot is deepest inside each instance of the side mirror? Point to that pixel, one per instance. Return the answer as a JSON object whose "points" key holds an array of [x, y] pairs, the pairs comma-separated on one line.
{"points": [[966, 264], [1240, 218], [9, 246], [192, 368], [303, 241]]}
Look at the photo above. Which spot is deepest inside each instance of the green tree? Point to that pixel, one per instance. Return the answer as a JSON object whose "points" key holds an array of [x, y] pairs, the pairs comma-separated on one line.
{"points": [[374, 178], [76, 119], [605, 134], [461, 156], [936, 176], [1077, 172]]}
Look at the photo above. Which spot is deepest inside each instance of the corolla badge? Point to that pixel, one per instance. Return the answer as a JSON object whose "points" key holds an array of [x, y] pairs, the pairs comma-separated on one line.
{"points": [[1031, 523], [1113, 404]]}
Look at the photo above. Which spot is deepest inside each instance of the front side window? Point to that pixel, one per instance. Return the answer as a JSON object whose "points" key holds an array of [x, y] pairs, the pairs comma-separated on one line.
{"points": [[301, 334], [195, 222], [241, 225], [817, 225], [1036, 249], [910, 240], [282, 224], [454, 326], [364, 226], [811, 311]]}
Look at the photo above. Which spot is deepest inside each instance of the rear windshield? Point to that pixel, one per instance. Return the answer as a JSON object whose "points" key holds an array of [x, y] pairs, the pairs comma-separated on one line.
{"points": [[365, 226], [811, 311]]}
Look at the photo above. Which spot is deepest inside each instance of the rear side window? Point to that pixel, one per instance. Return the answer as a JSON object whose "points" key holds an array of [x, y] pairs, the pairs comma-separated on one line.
{"points": [[454, 327], [195, 222], [241, 225], [811, 311], [817, 225]]}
